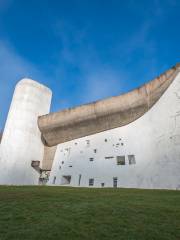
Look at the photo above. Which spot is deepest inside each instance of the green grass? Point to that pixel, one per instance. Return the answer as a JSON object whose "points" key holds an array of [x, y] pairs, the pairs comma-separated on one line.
{"points": [[74, 213]]}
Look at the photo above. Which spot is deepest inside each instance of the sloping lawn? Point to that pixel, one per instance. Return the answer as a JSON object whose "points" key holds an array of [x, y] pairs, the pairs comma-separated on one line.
{"points": [[79, 213]]}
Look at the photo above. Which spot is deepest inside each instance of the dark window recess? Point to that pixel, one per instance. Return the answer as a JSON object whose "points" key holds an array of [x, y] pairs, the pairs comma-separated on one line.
{"points": [[105, 140], [91, 159], [120, 160], [115, 181], [131, 159], [62, 162], [95, 150], [79, 182], [91, 182], [66, 179], [70, 165], [102, 184], [122, 144], [54, 180], [75, 143], [59, 167], [109, 157], [88, 143], [119, 139]]}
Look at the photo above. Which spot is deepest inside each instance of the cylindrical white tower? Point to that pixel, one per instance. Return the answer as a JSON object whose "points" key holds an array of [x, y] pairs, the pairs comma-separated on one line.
{"points": [[21, 143]]}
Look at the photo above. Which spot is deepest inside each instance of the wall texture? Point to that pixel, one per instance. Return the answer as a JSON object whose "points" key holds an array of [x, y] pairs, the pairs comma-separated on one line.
{"points": [[153, 139], [21, 142]]}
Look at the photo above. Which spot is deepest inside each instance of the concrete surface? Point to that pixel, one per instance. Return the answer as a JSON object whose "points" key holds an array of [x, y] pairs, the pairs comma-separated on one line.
{"points": [[153, 139], [21, 142], [103, 115]]}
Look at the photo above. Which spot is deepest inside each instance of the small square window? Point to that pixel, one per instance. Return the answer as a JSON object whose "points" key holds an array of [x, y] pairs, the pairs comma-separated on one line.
{"points": [[91, 181], [91, 159], [120, 160], [105, 140], [95, 150], [88, 143], [102, 184], [131, 159]]}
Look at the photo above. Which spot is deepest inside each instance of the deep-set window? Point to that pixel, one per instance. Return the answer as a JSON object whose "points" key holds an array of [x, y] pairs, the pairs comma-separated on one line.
{"points": [[109, 157], [54, 180], [95, 150], [115, 181], [79, 182], [120, 160], [91, 181], [88, 143], [91, 159], [131, 159]]}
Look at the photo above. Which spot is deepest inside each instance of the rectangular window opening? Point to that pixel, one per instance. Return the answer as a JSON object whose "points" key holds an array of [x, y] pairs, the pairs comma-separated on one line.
{"points": [[115, 181], [131, 159], [120, 160], [66, 179], [88, 143], [54, 180], [91, 182], [109, 157], [79, 182]]}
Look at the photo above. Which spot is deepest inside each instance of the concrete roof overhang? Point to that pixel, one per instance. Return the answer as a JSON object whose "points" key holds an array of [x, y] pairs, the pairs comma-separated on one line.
{"points": [[105, 114]]}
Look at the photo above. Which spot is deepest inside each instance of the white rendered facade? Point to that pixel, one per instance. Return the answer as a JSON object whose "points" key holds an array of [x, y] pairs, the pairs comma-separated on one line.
{"points": [[152, 143], [142, 154], [21, 142]]}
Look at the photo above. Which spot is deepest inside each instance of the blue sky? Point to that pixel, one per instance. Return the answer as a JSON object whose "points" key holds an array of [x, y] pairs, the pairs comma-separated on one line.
{"points": [[85, 50]]}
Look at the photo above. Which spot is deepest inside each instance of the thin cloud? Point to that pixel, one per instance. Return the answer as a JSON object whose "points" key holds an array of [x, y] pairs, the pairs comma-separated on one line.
{"points": [[95, 79]]}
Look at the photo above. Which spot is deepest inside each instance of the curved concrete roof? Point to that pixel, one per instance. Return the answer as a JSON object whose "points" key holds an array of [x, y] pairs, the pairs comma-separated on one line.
{"points": [[105, 114]]}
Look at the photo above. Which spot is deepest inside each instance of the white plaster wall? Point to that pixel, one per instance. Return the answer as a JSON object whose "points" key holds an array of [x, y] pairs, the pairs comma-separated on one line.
{"points": [[21, 142], [154, 139]]}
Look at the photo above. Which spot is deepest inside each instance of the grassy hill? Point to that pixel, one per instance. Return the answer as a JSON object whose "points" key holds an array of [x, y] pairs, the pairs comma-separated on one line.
{"points": [[79, 213]]}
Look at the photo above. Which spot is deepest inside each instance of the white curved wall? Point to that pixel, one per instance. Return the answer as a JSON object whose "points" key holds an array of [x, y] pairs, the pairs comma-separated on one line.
{"points": [[21, 142], [154, 140]]}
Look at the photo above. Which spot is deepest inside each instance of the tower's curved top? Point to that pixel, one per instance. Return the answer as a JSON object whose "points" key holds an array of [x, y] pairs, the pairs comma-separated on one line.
{"points": [[105, 114], [33, 83]]}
